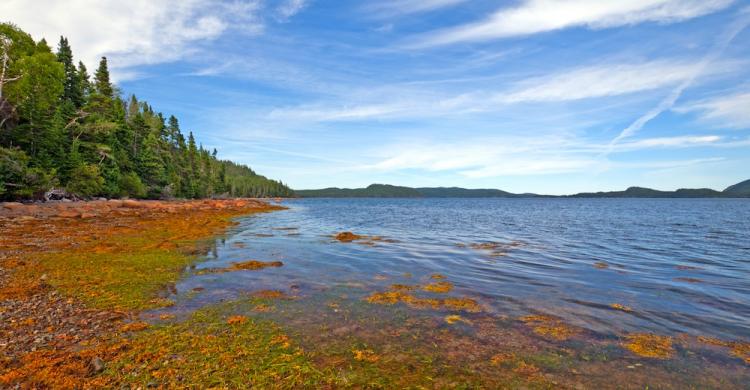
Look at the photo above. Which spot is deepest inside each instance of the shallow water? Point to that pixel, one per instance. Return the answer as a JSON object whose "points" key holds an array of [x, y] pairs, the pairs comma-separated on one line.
{"points": [[682, 265]]}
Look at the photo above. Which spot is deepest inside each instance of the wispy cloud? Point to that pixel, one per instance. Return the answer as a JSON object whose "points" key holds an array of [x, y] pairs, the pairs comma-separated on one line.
{"points": [[423, 100], [730, 110], [136, 32], [537, 16], [669, 101], [289, 8], [387, 8], [600, 80]]}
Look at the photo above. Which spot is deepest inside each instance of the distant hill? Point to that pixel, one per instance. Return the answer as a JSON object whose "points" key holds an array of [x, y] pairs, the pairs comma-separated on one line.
{"points": [[456, 192], [390, 191], [640, 192], [739, 190], [372, 191]]}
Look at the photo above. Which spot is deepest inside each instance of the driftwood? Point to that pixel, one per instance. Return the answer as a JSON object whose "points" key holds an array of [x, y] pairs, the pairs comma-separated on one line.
{"points": [[59, 194]]}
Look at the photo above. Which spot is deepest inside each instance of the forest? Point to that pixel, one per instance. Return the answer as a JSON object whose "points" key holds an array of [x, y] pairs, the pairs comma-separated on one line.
{"points": [[64, 129]]}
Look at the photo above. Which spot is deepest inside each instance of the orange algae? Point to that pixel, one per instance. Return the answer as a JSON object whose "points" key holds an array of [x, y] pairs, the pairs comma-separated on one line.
{"points": [[502, 358], [439, 287], [393, 297], [485, 245], [254, 265], [270, 294], [650, 345], [548, 326], [365, 355], [235, 320], [466, 304], [437, 276], [134, 327], [387, 298], [601, 265], [620, 307], [262, 308], [348, 237], [453, 318], [402, 287], [737, 348], [526, 369]]}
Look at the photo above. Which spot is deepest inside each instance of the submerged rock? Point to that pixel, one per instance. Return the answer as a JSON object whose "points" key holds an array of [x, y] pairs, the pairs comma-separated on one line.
{"points": [[348, 237]]}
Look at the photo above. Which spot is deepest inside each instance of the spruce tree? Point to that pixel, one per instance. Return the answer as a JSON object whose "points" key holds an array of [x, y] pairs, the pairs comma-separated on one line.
{"points": [[101, 79], [72, 85], [84, 82]]}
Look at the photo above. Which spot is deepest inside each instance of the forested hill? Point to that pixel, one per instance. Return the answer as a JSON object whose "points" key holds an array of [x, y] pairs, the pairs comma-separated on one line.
{"points": [[739, 190], [62, 128], [391, 191]]}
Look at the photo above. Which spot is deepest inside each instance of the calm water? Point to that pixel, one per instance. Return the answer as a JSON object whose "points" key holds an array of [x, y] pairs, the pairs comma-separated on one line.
{"points": [[682, 265]]}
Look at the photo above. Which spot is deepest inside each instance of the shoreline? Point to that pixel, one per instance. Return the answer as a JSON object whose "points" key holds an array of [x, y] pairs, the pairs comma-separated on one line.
{"points": [[74, 276], [80, 301]]}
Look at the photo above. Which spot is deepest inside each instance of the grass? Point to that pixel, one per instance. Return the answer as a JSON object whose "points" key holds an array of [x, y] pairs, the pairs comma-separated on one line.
{"points": [[125, 266], [214, 349]]}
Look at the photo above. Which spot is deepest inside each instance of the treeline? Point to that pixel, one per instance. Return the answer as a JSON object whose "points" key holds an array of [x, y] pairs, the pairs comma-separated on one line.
{"points": [[62, 128]]}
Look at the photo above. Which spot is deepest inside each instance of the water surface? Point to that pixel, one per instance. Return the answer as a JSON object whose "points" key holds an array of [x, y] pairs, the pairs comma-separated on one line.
{"points": [[681, 264]]}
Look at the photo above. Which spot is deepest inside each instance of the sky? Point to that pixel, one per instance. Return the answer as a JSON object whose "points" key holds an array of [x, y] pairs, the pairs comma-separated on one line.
{"points": [[545, 96]]}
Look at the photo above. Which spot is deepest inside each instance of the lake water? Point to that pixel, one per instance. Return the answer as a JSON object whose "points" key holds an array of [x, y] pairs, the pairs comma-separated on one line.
{"points": [[681, 265]]}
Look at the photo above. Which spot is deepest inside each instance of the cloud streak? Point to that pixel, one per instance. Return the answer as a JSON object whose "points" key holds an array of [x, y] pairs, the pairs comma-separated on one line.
{"points": [[668, 102], [538, 16], [390, 8], [730, 110]]}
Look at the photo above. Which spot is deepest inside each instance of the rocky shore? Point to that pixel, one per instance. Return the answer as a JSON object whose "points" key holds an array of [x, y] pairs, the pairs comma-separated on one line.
{"points": [[49, 310]]}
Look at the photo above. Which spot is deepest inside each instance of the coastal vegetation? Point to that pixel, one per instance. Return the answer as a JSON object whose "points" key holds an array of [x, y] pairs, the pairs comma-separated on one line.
{"points": [[61, 127]]}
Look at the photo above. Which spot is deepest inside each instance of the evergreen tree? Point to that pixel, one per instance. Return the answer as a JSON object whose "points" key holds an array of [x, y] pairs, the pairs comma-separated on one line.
{"points": [[84, 82], [101, 79], [72, 85], [60, 129]]}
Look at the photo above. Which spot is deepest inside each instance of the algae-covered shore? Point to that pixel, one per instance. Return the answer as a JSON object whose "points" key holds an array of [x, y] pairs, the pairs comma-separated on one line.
{"points": [[86, 292]]}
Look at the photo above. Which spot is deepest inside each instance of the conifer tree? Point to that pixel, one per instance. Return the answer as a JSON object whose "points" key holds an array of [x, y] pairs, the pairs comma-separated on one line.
{"points": [[72, 85], [101, 79]]}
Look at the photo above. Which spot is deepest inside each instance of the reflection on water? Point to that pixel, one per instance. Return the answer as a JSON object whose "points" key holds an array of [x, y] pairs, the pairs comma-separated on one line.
{"points": [[603, 267]]}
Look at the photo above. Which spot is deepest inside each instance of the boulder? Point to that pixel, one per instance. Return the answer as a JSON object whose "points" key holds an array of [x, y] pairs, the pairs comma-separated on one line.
{"points": [[68, 214], [13, 205], [131, 204]]}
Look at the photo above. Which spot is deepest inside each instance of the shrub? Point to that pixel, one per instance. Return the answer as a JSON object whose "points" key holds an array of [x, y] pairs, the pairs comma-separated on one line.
{"points": [[131, 186], [17, 179], [86, 181]]}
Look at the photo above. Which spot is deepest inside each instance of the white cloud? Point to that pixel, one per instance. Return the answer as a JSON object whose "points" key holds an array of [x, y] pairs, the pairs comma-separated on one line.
{"points": [[664, 142], [600, 81], [417, 101], [537, 16], [131, 33], [731, 110], [542, 154], [386, 8], [290, 8]]}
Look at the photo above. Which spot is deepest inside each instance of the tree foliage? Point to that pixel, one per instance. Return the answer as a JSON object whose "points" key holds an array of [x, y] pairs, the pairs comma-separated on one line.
{"points": [[60, 127]]}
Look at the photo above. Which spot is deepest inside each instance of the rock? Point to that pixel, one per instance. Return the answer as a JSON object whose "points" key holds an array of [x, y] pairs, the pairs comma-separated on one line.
{"points": [[58, 194], [347, 237], [68, 214], [131, 204], [87, 215], [13, 205], [115, 202], [96, 365]]}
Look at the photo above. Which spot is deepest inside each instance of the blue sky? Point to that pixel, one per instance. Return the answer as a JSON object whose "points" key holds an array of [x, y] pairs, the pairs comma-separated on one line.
{"points": [[527, 96]]}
